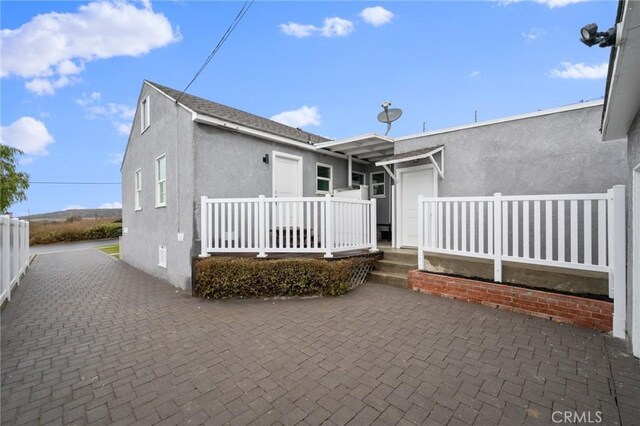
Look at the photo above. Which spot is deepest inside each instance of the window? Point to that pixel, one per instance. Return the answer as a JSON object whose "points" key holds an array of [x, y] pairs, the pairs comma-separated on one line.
{"points": [[138, 193], [161, 181], [145, 114], [324, 178], [358, 178], [377, 185]]}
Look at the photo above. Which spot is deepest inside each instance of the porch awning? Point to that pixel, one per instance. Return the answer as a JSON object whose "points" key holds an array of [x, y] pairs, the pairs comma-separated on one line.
{"points": [[418, 154], [370, 147]]}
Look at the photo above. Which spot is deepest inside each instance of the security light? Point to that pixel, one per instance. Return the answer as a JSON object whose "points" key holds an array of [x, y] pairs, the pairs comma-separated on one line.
{"points": [[590, 36]]}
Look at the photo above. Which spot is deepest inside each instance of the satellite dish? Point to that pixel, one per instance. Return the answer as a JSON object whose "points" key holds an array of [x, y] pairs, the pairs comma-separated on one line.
{"points": [[389, 115]]}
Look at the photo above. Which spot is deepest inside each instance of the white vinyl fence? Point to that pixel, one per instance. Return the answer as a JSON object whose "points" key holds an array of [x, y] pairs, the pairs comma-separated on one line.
{"points": [[14, 254], [287, 225], [576, 231]]}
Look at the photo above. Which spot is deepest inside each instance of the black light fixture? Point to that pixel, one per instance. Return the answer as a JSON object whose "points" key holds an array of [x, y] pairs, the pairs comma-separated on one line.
{"points": [[590, 36], [265, 159]]}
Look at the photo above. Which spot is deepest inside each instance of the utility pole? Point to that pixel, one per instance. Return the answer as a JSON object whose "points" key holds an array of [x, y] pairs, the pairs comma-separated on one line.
{"points": [[475, 116]]}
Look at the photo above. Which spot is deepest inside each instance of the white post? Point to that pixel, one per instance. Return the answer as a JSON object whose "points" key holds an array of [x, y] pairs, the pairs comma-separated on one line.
{"points": [[393, 217], [497, 237], [204, 228], [26, 245], [374, 227], [328, 227], [349, 171], [262, 227], [610, 241], [16, 249], [5, 256], [618, 261], [421, 232]]}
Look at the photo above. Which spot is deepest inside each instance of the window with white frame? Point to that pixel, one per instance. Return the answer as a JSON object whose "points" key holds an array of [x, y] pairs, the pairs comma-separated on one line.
{"points": [[138, 192], [145, 114], [324, 178], [358, 178], [161, 181], [377, 185]]}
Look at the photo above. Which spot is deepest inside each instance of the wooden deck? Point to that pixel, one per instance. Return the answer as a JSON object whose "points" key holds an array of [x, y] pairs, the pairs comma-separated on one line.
{"points": [[336, 256]]}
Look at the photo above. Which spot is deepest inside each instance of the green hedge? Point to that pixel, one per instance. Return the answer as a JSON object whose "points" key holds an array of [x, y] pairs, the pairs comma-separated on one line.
{"points": [[224, 277], [98, 232]]}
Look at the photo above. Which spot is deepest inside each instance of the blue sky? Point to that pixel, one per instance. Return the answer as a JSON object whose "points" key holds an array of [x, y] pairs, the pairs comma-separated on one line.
{"points": [[72, 71]]}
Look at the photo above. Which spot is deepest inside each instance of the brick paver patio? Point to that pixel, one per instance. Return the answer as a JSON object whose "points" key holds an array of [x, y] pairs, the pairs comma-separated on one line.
{"points": [[88, 339]]}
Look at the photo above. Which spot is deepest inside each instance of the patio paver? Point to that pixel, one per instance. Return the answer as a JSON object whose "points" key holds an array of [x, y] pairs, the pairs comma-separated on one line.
{"points": [[87, 339]]}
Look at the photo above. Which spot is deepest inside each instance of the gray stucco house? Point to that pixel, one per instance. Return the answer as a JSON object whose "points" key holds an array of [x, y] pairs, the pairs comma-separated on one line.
{"points": [[181, 151], [621, 120]]}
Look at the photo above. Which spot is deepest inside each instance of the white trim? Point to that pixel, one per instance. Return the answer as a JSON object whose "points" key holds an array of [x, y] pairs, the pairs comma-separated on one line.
{"points": [[145, 113], [137, 200], [635, 273], [540, 113], [399, 173], [330, 178], [371, 185], [157, 182], [298, 158], [204, 119], [168, 97], [338, 142], [364, 177], [413, 157]]}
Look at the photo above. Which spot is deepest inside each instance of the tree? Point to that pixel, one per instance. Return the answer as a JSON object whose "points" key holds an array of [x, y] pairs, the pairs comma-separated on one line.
{"points": [[13, 184]]}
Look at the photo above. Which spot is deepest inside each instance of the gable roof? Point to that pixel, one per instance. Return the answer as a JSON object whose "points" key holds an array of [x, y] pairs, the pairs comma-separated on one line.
{"points": [[227, 113]]}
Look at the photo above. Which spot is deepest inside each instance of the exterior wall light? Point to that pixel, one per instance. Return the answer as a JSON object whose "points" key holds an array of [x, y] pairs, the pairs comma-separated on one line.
{"points": [[590, 36]]}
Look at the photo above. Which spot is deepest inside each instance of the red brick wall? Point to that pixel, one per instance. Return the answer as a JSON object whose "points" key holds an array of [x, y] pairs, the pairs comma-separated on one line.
{"points": [[596, 314]]}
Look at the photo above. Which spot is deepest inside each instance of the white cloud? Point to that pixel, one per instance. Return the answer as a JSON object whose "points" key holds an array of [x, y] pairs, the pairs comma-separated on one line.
{"points": [[123, 128], [581, 71], [43, 86], [551, 4], [115, 158], [74, 207], [110, 110], [534, 34], [114, 205], [332, 27], [88, 99], [298, 30], [53, 46], [376, 16], [474, 73], [120, 115], [336, 27], [28, 135], [303, 116]]}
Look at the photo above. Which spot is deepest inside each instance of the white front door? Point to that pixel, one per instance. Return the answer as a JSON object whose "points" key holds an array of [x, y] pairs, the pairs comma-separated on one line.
{"points": [[287, 175], [414, 181]]}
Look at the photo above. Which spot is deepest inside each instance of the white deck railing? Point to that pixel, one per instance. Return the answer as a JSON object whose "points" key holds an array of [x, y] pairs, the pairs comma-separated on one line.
{"points": [[287, 225], [576, 231], [14, 254]]}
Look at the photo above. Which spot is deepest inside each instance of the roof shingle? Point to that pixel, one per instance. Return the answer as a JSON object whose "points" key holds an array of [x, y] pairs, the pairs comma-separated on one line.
{"points": [[223, 112]]}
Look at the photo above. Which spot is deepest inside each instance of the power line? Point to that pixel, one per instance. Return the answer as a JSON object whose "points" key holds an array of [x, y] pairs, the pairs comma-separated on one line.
{"points": [[74, 183], [243, 11]]}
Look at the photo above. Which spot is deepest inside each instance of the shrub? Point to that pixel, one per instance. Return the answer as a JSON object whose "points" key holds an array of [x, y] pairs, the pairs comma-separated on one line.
{"points": [[224, 277], [73, 231]]}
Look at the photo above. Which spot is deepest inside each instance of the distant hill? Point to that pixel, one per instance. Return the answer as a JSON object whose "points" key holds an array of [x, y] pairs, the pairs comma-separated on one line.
{"points": [[79, 213]]}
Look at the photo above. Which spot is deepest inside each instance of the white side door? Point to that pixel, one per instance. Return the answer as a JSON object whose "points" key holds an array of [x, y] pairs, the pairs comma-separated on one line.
{"points": [[287, 175], [414, 181]]}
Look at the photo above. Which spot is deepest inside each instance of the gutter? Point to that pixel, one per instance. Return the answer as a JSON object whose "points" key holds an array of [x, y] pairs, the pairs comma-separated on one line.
{"points": [[216, 122]]}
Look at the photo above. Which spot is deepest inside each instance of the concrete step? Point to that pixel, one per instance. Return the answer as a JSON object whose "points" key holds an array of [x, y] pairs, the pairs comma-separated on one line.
{"points": [[401, 256], [388, 278], [395, 266]]}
